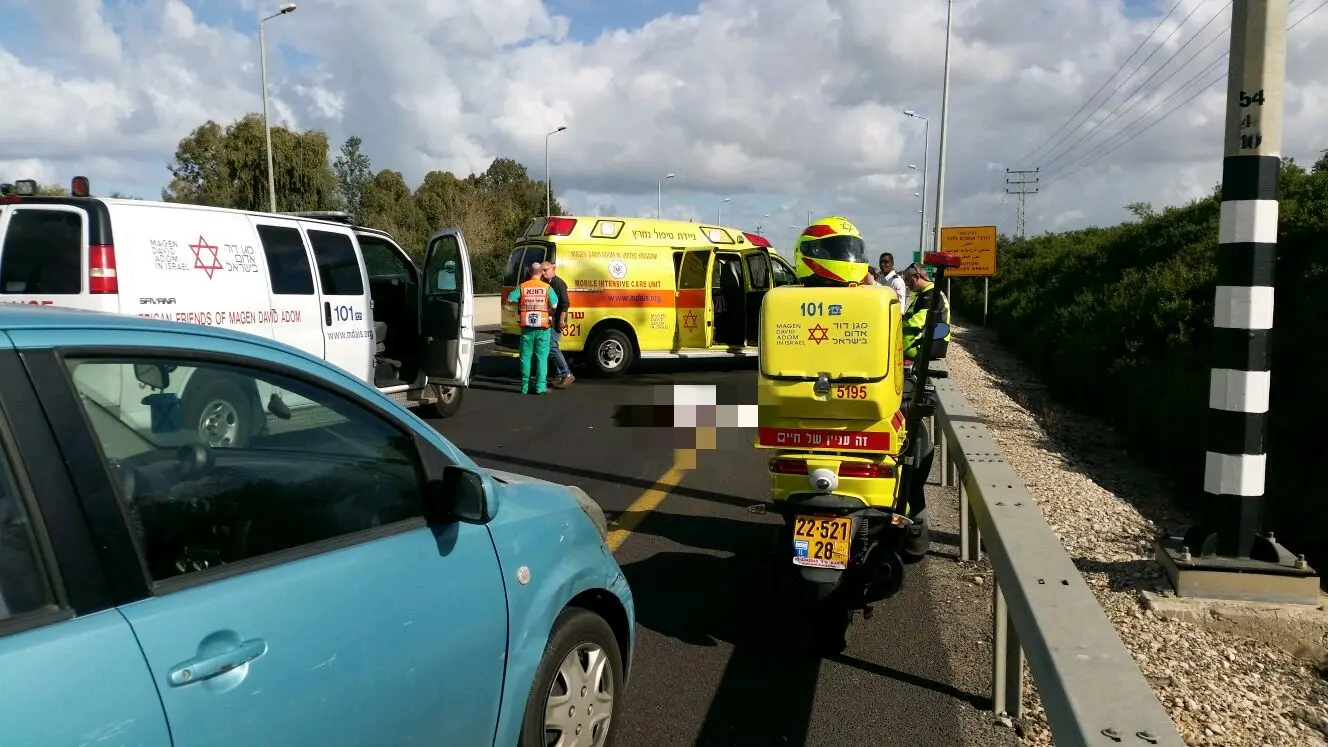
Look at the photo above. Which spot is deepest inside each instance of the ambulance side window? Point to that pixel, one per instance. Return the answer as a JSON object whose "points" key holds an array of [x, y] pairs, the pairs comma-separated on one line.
{"points": [[692, 273], [513, 266], [758, 268], [783, 275], [42, 253], [338, 266], [287, 261]]}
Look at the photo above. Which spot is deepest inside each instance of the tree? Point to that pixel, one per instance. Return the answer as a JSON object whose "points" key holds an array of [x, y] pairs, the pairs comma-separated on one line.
{"points": [[228, 168], [1141, 210], [353, 174]]}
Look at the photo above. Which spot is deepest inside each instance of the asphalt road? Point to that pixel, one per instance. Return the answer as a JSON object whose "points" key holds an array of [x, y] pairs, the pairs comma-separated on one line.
{"points": [[718, 660]]}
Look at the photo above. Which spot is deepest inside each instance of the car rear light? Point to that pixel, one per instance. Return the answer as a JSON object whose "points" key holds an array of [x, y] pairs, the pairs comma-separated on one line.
{"points": [[101, 269], [559, 226], [871, 471], [788, 466]]}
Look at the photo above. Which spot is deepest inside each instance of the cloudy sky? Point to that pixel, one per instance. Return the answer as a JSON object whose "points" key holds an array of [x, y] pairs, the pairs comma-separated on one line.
{"points": [[779, 106]]}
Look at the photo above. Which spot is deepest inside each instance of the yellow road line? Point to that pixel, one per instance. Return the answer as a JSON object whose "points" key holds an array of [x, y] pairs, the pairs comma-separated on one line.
{"points": [[683, 461]]}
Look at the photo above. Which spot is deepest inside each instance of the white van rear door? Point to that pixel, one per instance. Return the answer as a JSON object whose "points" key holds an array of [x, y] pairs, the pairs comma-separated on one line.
{"points": [[344, 291], [447, 311]]}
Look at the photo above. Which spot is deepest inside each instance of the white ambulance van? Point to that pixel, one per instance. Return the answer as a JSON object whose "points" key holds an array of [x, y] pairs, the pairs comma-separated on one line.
{"points": [[345, 293]]}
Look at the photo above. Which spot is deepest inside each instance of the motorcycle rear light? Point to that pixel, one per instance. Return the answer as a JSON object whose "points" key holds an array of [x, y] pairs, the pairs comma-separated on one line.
{"points": [[788, 466], [871, 471]]}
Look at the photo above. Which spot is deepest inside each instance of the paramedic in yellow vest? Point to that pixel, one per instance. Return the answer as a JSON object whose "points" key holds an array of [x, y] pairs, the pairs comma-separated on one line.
{"points": [[535, 301], [920, 289]]}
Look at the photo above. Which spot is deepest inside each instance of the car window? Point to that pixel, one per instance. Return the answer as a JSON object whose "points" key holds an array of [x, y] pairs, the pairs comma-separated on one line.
{"points": [[287, 260], [783, 275], [758, 268], [443, 265], [692, 270], [321, 467], [23, 583], [338, 266], [43, 252], [513, 269], [382, 260]]}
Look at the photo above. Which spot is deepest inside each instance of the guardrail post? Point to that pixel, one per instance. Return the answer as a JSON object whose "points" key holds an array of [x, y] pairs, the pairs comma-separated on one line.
{"points": [[1007, 660], [943, 446], [970, 537]]}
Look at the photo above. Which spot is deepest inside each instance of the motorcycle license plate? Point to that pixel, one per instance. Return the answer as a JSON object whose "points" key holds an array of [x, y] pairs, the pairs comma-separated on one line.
{"points": [[821, 541]]}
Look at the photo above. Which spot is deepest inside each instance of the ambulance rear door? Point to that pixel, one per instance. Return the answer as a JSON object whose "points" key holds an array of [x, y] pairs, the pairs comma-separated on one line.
{"points": [[696, 314], [447, 310]]}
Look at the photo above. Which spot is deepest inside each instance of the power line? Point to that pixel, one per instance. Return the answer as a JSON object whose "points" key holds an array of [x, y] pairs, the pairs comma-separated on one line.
{"points": [[1105, 83], [1126, 79], [1111, 116], [1097, 147], [1176, 108]]}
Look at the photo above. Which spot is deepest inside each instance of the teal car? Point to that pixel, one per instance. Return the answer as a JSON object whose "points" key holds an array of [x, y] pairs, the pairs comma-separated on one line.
{"points": [[347, 577]]}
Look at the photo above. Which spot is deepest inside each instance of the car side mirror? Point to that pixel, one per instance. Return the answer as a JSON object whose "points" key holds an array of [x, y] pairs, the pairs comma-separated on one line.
{"points": [[458, 495]]}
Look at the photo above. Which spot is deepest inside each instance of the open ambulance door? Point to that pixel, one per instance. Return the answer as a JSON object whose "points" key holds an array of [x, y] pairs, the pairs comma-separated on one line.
{"points": [[447, 310], [694, 308]]}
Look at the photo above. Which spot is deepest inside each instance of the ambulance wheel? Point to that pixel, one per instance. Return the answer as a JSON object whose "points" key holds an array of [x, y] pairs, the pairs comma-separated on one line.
{"points": [[610, 352], [447, 404], [220, 413]]}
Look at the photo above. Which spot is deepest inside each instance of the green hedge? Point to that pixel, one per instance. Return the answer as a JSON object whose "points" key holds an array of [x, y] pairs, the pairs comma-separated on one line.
{"points": [[1117, 321]]}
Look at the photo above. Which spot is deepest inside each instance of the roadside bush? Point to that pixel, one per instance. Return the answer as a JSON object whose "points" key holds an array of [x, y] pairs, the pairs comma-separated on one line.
{"points": [[1118, 322]]}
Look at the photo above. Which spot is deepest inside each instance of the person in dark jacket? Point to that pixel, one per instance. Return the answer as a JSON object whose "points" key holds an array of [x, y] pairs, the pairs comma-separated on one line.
{"points": [[563, 377]]}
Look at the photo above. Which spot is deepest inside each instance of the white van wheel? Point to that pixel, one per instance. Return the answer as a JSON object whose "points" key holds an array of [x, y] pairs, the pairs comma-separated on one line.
{"points": [[611, 352], [447, 404], [221, 414]]}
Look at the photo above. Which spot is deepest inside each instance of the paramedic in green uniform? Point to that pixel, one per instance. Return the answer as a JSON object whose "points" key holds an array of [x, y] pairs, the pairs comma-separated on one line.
{"points": [[535, 300]]}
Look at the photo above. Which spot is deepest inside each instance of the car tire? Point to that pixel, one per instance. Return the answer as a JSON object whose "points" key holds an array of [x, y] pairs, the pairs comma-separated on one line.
{"points": [[447, 404], [595, 700], [221, 413], [610, 353]]}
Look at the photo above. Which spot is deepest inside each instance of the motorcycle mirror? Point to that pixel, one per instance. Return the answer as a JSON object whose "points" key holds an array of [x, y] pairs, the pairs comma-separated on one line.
{"points": [[941, 259]]}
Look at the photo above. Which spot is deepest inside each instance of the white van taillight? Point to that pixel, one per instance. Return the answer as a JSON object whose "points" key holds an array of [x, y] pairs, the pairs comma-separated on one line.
{"points": [[101, 269]]}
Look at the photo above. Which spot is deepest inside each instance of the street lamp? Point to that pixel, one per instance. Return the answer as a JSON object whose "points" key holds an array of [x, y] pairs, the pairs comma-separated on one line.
{"points": [[721, 211], [267, 125], [945, 110], [548, 186], [926, 148], [659, 196]]}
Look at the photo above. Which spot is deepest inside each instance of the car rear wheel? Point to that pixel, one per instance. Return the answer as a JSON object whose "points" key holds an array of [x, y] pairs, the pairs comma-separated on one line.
{"points": [[578, 688], [221, 414]]}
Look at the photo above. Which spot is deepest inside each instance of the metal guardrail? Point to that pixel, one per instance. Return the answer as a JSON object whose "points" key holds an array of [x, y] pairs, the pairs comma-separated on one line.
{"points": [[1093, 692]]}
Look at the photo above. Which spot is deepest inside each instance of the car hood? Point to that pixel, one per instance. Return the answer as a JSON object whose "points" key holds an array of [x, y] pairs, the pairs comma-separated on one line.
{"points": [[587, 504]]}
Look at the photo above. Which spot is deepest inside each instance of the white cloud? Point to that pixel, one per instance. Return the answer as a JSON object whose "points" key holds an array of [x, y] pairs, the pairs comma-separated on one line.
{"points": [[784, 106]]}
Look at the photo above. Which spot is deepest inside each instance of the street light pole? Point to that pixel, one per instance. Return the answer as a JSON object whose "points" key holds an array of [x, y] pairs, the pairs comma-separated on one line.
{"points": [[548, 185], [945, 125], [926, 149], [659, 196], [721, 211], [267, 124]]}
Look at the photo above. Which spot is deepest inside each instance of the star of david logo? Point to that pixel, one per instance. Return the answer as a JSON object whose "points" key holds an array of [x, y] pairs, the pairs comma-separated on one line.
{"points": [[689, 320], [817, 334], [206, 265]]}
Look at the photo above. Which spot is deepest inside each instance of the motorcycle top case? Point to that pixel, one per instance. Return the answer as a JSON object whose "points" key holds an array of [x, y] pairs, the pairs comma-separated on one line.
{"points": [[853, 337]]}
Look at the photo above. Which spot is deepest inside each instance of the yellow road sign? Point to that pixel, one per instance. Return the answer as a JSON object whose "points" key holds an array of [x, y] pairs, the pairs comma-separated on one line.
{"points": [[975, 245]]}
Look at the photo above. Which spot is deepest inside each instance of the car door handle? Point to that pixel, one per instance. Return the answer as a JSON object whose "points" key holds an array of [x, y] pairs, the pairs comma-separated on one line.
{"points": [[207, 667], [327, 313]]}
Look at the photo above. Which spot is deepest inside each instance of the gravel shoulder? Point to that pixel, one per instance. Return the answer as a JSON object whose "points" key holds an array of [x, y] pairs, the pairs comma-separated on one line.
{"points": [[1221, 688]]}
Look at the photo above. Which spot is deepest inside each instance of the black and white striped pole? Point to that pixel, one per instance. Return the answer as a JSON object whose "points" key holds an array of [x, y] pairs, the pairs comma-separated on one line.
{"points": [[1226, 554]]}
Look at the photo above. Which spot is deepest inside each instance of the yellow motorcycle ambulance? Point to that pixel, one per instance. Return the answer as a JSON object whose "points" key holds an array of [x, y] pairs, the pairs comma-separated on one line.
{"points": [[843, 416]]}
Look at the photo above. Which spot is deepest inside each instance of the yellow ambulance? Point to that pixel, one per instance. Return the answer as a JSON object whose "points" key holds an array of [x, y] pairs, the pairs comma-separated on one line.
{"points": [[647, 289]]}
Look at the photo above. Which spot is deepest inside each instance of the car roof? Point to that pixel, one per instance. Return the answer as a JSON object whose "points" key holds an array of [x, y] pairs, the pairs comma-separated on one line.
{"points": [[19, 316]]}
